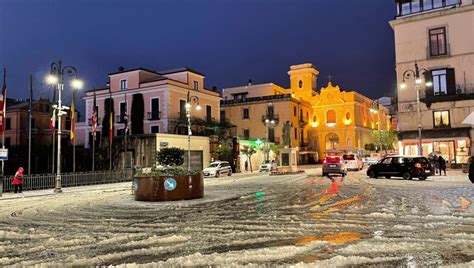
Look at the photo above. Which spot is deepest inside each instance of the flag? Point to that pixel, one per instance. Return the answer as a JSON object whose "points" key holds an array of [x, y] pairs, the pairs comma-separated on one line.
{"points": [[94, 118], [3, 103], [72, 116], [125, 115], [111, 127], [52, 118]]}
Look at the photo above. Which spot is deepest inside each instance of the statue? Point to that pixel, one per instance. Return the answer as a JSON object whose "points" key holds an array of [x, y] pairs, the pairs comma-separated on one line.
{"points": [[287, 126]]}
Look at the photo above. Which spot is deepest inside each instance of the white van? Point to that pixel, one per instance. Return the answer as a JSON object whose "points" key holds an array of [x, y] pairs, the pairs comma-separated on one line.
{"points": [[353, 161]]}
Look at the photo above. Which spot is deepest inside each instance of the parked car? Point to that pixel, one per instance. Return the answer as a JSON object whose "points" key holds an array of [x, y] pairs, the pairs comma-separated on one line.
{"points": [[267, 166], [353, 162], [407, 167], [334, 165], [370, 161], [217, 168]]}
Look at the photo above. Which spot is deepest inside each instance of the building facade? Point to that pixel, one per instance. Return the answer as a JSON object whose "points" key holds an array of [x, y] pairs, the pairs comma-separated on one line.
{"points": [[301, 116], [437, 36], [17, 123], [164, 95]]}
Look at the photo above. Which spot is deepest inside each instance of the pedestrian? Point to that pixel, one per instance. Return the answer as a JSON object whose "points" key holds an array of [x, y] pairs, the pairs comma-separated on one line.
{"points": [[471, 169], [246, 165], [436, 160], [432, 162], [18, 180], [442, 165]]}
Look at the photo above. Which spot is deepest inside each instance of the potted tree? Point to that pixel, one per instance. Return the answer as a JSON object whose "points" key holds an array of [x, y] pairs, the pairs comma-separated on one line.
{"points": [[168, 181]]}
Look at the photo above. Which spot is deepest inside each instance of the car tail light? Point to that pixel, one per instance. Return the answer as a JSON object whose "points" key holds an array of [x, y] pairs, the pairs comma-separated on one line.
{"points": [[324, 162], [418, 165]]}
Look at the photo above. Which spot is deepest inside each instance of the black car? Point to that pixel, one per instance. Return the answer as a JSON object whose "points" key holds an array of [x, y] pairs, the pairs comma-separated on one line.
{"points": [[407, 167]]}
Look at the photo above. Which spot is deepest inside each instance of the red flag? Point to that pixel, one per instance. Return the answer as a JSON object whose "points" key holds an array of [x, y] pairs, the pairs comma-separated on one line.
{"points": [[3, 102]]}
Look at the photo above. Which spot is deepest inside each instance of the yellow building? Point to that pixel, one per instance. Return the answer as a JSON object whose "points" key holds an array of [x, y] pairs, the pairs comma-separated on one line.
{"points": [[301, 116]]}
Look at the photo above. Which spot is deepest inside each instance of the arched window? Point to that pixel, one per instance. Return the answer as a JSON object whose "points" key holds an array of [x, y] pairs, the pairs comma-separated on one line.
{"points": [[348, 116], [331, 117]]}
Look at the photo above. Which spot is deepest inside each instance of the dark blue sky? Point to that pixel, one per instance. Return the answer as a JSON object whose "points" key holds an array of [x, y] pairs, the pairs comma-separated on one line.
{"points": [[228, 40]]}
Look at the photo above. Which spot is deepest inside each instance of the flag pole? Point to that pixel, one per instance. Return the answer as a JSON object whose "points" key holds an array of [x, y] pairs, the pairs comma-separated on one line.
{"points": [[111, 129], [30, 115], [94, 125], [53, 130], [4, 115], [126, 131], [73, 128]]}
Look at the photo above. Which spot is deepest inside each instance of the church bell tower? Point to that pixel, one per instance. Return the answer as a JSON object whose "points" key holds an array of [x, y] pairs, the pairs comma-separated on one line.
{"points": [[303, 80]]}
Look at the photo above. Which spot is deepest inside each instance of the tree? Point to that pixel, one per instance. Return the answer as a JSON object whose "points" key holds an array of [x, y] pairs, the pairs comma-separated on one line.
{"points": [[108, 108], [138, 113], [224, 152], [384, 139], [170, 156], [248, 150]]}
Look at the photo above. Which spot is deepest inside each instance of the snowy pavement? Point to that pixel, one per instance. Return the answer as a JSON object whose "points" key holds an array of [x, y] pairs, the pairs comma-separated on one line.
{"points": [[301, 220]]}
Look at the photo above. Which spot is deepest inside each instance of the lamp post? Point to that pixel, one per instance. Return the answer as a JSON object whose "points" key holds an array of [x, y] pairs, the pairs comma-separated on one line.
{"points": [[56, 77], [189, 100], [375, 109], [418, 81], [269, 122]]}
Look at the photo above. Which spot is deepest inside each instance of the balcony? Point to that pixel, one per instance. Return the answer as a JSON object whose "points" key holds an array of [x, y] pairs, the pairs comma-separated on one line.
{"points": [[155, 115], [303, 123], [413, 7], [463, 92], [271, 117], [256, 99], [304, 144]]}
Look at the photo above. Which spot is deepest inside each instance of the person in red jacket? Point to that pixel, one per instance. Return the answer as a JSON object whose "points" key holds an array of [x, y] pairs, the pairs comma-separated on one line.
{"points": [[18, 180]]}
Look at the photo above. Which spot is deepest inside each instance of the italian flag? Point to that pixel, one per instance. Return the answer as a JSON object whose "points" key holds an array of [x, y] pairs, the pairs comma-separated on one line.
{"points": [[52, 119]]}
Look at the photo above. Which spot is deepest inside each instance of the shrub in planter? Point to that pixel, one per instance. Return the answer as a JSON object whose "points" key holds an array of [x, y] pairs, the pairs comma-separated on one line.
{"points": [[168, 181]]}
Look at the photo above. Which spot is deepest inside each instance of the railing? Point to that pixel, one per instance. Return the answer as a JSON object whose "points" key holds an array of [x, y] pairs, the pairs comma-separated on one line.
{"points": [[303, 122], [254, 99], [156, 115], [48, 181], [119, 119], [401, 12]]}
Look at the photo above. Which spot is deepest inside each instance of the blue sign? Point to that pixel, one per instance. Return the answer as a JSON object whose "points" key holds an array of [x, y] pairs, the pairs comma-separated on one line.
{"points": [[135, 185], [170, 184]]}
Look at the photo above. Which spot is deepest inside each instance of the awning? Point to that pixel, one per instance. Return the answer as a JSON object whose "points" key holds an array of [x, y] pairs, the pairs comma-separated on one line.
{"points": [[435, 133]]}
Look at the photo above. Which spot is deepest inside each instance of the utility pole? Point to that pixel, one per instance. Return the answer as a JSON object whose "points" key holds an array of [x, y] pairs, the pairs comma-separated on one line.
{"points": [[30, 115]]}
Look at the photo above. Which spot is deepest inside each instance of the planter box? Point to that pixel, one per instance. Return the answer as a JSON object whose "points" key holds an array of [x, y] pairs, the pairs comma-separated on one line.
{"points": [[168, 188]]}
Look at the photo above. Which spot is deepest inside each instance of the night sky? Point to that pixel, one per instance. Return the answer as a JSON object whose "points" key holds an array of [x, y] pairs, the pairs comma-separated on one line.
{"points": [[229, 41]]}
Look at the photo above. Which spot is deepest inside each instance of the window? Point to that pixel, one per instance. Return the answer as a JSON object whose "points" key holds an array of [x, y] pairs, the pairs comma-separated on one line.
{"points": [[296, 133], [439, 82], [196, 85], [123, 84], [301, 114], [155, 109], [438, 41], [8, 124], [302, 136], [182, 109], [294, 111], [123, 108], [387, 161], [441, 119], [246, 113], [155, 129], [222, 116], [208, 113], [246, 133], [331, 117], [271, 134], [270, 111]]}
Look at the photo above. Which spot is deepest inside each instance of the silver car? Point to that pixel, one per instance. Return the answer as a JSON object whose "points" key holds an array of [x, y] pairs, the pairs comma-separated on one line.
{"points": [[218, 168]]}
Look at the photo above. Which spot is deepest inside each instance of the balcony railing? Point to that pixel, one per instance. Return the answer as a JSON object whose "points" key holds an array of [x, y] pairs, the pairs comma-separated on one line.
{"points": [[303, 122], [463, 92], [119, 119], [155, 115], [257, 99], [405, 8]]}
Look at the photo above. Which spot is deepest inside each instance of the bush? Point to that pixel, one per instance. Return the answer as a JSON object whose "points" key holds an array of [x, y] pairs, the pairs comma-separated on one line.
{"points": [[170, 156]]}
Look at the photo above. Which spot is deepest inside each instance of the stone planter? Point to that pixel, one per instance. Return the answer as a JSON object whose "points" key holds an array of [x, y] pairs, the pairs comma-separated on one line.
{"points": [[168, 188]]}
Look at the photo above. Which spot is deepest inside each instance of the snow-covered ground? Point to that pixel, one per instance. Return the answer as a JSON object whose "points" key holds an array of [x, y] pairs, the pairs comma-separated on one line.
{"points": [[300, 220]]}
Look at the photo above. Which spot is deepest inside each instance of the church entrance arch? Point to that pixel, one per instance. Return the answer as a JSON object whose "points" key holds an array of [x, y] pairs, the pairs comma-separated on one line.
{"points": [[332, 140]]}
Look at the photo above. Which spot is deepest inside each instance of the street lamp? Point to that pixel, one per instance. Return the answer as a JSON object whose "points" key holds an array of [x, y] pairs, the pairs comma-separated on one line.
{"points": [[56, 77], [189, 100], [269, 122], [418, 81], [375, 109]]}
